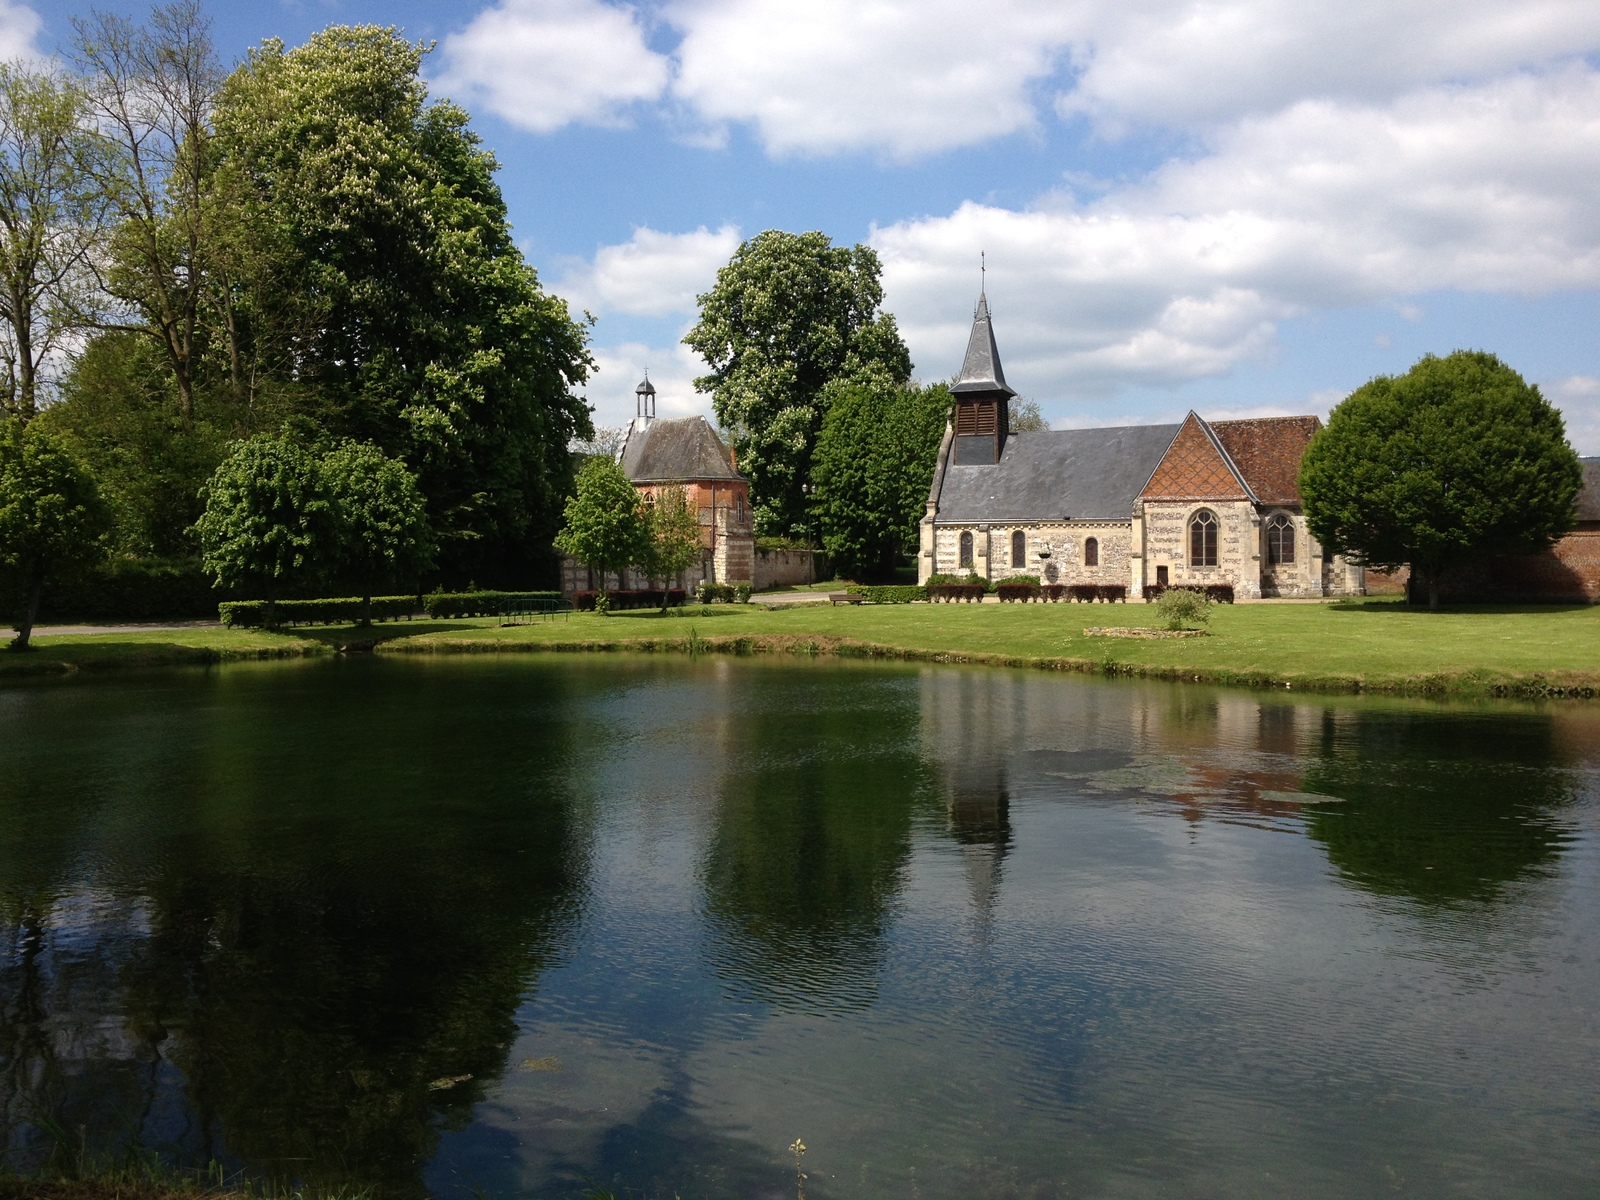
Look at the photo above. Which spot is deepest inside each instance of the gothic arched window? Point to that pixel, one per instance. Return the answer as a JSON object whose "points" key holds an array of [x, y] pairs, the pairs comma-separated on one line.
{"points": [[1203, 539], [1091, 552], [1019, 549], [966, 549], [1280, 539]]}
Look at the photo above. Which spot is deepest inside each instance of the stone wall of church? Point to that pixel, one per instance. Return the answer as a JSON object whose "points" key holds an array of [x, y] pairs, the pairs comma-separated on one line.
{"points": [[1065, 541], [1166, 544]]}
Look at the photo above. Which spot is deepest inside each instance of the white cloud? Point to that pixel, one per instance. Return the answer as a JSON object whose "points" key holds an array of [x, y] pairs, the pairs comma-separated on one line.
{"points": [[821, 76], [19, 26], [653, 274], [1325, 204], [1578, 398], [619, 369], [542, 64]]}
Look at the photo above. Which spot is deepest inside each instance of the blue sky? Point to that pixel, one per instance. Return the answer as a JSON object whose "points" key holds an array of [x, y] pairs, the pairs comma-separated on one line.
{"points": [[1239, 206]]}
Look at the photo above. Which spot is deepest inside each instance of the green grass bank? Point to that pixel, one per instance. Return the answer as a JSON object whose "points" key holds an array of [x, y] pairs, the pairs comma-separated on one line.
{"points": [[1376, 645]]}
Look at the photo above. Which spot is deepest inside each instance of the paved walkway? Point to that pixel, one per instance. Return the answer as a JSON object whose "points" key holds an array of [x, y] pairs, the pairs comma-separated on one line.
{"points": [[144, 627]]}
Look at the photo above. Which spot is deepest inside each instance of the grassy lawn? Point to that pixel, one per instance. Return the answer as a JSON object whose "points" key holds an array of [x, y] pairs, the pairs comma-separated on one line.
{"points": [[55, 654], [1373, 645]]}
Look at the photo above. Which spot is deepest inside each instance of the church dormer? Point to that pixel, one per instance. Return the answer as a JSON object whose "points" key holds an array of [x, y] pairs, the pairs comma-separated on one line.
{"points": [[983, 413]]}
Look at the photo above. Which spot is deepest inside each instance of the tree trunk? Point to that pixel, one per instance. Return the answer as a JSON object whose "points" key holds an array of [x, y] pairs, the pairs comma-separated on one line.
{"points": [[29, 614]]}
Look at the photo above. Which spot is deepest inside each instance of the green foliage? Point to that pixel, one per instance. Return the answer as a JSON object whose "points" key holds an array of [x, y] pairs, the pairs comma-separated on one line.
{"points": [[1457, 459], [1025, 416], [1183, 608], [941, 578], [888, 594], [257, 614], [267, 522], [391, 270], [789, 314], [481, 603], [874, 461], [51, 518], [674, 531], [124, 589], [381, 532], [606, 527], [723, 593]]}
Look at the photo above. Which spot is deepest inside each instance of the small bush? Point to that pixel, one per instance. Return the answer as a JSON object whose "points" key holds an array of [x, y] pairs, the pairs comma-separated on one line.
{"points": [[952, 592], [741, 593], [1013, 591], [888, 593], [587, 601], [1182, 608]]}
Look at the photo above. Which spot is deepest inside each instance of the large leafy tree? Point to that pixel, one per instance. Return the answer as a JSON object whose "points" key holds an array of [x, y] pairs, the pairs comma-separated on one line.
{"points": [[268, 522], [380, 519], [51, 210], [873, 466], [51, 517], [605, 524], [1457, 460], [408, 315], [789, 314]]}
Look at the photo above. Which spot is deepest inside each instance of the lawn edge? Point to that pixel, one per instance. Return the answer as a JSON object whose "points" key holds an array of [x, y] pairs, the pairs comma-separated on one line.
{"points": [[1539, 685], [39, 662]]}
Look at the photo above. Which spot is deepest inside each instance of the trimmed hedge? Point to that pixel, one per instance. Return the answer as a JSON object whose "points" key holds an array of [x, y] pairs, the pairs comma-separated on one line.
{"points": [[252, 614], [1015, 592], [481, 603], [951, 593], [723, 593], [887, 593], [631, 598], [131, 590], [1217, 593]]}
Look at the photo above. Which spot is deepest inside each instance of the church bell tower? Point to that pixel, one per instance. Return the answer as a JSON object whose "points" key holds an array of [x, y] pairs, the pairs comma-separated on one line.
{"points": [[983, 412]]}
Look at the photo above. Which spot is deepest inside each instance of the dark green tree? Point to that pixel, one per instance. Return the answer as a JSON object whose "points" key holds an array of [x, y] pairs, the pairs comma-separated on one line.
{"points": [[605, 524], [267, 521], [789, 314], [873, 465], [1457, 460], [51, 517], [380, 520], [412, 320]]}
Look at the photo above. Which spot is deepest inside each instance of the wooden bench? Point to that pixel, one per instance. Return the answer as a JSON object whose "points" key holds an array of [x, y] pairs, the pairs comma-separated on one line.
{"points": [[845, 598]]}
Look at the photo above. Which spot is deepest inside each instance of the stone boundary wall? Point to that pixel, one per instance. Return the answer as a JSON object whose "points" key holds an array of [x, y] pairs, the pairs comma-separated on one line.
{"points": [[782, 568]]}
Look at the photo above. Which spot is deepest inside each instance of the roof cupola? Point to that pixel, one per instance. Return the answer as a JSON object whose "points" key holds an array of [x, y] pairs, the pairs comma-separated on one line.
{"points": [[983, 414]]}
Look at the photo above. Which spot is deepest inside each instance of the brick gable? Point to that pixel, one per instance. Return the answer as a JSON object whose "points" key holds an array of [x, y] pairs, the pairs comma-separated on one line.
{"points": [[1193, 469]]}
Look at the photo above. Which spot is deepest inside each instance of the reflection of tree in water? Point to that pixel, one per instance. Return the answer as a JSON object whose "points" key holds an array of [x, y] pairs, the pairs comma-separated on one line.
{"points": [[1440, 807], [329, 918], [812, 834]]}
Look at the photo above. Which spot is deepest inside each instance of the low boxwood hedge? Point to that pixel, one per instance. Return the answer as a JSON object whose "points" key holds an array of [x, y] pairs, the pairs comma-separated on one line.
{"points": [[723, 593], [630, 598], [252, 614], [887, 593], [480, 603]]}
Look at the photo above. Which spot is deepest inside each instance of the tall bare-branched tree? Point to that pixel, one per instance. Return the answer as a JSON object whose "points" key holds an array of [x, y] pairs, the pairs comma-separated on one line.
{"points": [[51, 220], [151, 89]]}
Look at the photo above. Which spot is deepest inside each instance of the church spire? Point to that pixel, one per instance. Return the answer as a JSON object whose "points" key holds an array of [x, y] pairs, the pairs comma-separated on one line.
{"points": [[980, 370]]}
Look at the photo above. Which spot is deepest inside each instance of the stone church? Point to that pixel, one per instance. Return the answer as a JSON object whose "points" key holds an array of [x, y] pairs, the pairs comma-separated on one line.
{"points": [[1196, 503]]}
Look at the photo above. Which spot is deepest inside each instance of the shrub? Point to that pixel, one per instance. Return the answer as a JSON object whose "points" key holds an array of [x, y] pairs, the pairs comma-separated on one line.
{"points": [[888, 593], [252, 614], [633, 598], [1181, 608], [478, 603], [941, 580], [951, 592], [741, 593], [1117, 593], [131, 590], [1013, 591]]}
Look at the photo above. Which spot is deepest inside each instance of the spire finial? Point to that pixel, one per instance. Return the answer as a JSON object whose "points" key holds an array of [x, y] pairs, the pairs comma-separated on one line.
{"points": [[983, 271]]}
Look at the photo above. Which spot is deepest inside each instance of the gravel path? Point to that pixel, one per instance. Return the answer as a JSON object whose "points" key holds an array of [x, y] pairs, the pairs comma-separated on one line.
{"points": [[148, 627]]}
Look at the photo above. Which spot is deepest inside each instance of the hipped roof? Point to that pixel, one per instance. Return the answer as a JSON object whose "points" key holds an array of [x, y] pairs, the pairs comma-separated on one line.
{"points": [[675, 450]]}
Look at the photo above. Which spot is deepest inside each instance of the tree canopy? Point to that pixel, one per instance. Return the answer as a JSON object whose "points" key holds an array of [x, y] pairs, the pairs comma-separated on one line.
{"points": [[380, 520], [51, 517], [873, 464], [674, 529], [605, 525], [1458, 459], [789, 314]]}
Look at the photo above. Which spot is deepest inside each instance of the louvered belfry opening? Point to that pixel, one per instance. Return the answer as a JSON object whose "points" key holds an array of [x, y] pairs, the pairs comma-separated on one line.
{"points": [[982, 416]]}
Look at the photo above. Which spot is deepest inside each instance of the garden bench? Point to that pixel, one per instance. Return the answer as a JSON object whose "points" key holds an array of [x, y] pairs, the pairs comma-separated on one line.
{"points": [[845, 598]]}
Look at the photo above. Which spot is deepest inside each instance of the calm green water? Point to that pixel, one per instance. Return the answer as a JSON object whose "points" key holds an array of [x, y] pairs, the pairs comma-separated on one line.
{"points": [[485, 927]]}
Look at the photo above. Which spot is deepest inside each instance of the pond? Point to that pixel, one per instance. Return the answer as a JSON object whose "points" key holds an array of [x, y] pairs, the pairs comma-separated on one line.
{"points": [[497, 928]]}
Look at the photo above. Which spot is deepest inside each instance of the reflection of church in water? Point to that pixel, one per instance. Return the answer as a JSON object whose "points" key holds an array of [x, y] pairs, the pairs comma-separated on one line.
{"points": [[973, 784]]}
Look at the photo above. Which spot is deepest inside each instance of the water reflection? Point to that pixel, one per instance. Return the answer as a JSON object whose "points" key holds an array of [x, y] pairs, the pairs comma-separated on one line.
{"points": [[312, 958]]}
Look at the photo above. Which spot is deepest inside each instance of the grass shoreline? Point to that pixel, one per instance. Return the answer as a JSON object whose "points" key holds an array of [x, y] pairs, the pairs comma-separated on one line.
{"points": [[1368, 647]]}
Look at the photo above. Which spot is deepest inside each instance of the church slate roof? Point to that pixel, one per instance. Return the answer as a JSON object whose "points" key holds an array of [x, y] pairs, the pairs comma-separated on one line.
{"points": [[1589, 497], [1084, 474], [981, 370], [675, 450], [1267, 451]]}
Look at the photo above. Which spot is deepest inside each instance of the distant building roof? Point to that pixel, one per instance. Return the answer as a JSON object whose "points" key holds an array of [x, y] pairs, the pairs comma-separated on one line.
{"points": [[981, 370], [1589, 497], [1267, 451], [675, 450], [1084, 474]]}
